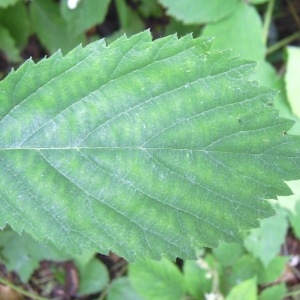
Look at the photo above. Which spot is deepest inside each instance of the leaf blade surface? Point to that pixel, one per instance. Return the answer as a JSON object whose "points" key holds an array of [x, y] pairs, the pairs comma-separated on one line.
{"points": [[140, 147]]}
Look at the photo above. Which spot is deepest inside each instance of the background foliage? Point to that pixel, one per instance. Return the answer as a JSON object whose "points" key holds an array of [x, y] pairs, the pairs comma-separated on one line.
{"points": [[266, 266]]}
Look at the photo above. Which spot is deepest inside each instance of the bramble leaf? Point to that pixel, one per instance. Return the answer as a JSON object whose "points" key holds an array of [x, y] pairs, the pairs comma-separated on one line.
{"points": [[146, 148]]}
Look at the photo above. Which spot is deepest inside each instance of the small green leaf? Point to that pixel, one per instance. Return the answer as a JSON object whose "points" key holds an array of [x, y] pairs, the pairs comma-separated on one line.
{"points": [[265, 242], [276, 292], [6, 3], [292, 79], [15, 19], [130, 21], [266, 74], [241, 32], [274, 271], [149, 8], [8, 45], [157, 280], [227, 254], [246, 267], [121, 288], [259, 1], [93, 277], [199, 11], [289, 203], [294, 218], [85, 15], [198, 279], [23, 254], [176, 27], [50, 27], [247, 290], [145, 148]]}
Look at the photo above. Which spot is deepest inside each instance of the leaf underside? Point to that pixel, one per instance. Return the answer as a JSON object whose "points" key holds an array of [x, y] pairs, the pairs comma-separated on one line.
{"points": [[145, 148]]}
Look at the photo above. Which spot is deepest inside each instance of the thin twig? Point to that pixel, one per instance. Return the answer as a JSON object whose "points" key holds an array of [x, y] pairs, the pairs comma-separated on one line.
{"points": [[294, 12], [293, 293], [267, 21], [283, 43], [119, 274]]}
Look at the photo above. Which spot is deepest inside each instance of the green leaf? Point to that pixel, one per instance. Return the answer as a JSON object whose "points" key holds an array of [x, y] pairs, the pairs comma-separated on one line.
{"points": [[247, 290], [155, 280], [121, 288], [146, 148], [265, 242], [292, 79], [276, 292], [149, 8], [176, 27], [245, 268], [23, 254], [198, 278], [6, 3], [199, 11], [241, 31], [15, 20], [289, 203], [295, 218], [274, 271], [266, 75], [93, 277], [50, 27], [227, 254], [130, 21], [87, 14], [8, 45], [259, 1]]}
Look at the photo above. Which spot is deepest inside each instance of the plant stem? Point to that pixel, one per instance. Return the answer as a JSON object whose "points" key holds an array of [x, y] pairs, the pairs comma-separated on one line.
{"points": [[267, 21], [20, 290], [283, 43], [104, 293], [293, 293], [294, 12], [119, 274]]}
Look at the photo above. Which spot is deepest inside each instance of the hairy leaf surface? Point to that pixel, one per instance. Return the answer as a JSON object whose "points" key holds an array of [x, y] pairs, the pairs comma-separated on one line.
{"points": [[146, 148]]}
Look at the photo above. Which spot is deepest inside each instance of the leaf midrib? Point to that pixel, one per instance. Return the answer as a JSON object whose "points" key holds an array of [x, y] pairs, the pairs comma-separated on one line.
{"points": [[38, 149]]}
